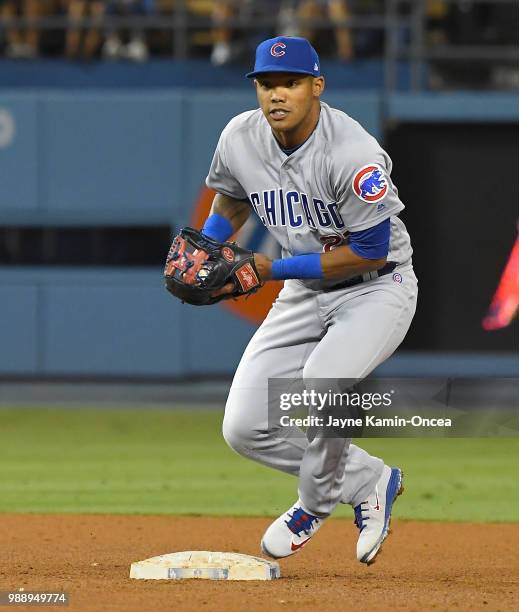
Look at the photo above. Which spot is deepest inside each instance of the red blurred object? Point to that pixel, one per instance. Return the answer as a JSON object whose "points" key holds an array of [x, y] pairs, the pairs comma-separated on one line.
{"points": [[505, 303]]}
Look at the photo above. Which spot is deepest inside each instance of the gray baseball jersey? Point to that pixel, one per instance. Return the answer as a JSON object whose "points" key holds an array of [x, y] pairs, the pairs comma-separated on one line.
{"points": [[337, 182]]}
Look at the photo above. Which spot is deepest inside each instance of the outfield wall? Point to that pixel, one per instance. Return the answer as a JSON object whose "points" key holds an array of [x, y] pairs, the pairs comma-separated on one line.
{"points": [[119, 157], [140, 158]]}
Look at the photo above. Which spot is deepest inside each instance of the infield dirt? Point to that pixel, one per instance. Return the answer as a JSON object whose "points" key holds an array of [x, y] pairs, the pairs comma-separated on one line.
{"points": [[422, 566]]}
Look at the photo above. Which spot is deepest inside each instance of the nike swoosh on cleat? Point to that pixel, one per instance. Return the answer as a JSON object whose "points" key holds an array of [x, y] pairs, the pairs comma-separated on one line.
{"points": [[297, 546]]}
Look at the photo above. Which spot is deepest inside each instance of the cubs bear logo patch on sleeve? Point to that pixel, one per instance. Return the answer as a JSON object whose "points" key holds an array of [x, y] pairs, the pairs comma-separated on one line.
{"points": [[370, 183]]}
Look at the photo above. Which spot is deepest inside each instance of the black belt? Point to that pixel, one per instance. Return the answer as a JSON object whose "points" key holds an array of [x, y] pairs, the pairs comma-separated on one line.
{"points": [[356, 280]]}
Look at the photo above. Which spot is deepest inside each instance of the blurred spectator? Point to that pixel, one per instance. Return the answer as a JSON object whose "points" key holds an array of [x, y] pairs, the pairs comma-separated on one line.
{"points": [[224, 43], [370, 42], [135, 48], [84, 42], [475, 25], [437, 13], [222, 34], [337, 11], [22, 43]]}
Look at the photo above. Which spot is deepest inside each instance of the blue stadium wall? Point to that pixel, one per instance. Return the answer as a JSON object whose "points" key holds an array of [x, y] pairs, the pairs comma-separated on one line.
{"points": [[120, 157]]}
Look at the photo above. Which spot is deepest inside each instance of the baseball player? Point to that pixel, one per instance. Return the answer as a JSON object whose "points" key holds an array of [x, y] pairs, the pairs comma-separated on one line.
{"points": [[321, 185]]}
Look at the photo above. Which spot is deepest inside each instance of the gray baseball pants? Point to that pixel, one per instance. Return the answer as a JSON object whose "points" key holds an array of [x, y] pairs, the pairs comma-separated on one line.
{"points": [[317, 335]]}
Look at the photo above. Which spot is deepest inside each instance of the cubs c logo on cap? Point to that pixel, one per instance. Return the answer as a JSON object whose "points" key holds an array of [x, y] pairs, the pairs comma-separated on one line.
{"points": [[277, 49], [370, 183]]}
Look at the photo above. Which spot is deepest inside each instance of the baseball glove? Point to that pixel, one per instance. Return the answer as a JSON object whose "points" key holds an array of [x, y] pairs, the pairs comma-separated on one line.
{"points": [[197, 266]]}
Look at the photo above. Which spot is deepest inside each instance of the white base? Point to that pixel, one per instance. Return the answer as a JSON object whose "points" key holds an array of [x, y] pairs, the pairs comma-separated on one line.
{"points": [[205, 564]]}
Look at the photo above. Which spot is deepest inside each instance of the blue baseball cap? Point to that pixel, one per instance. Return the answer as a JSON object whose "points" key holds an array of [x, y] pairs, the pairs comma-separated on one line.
{"points": [[286, 54]]}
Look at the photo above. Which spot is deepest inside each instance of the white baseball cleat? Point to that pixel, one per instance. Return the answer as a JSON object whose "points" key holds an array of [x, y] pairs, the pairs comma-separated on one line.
{"points": [[373, 516], [290, 532]]}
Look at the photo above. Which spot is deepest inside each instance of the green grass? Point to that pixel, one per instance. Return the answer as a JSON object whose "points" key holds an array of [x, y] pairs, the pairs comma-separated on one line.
{"points": [[176, 462]]}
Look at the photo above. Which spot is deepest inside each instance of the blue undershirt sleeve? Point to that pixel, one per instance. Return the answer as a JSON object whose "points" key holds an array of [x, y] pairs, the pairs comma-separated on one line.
{"points": [[372, 243]]}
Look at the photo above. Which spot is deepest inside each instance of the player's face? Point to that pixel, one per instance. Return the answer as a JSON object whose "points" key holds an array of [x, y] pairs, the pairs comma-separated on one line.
{"points": [[290, 103]]}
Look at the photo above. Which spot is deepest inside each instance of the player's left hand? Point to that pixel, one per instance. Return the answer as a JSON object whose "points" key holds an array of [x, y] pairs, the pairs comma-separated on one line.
{"points": [[263, 265]]}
